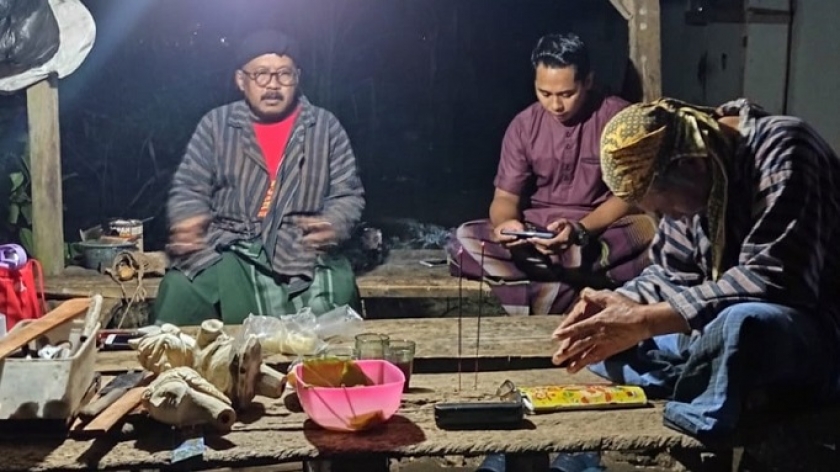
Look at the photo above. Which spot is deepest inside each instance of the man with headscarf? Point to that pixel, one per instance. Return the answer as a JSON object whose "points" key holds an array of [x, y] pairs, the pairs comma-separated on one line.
{"points": [[266, 191], [740, 301], [553, 146]]}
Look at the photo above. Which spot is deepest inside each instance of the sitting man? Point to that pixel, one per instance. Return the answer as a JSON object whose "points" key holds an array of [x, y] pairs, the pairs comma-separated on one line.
{"points": [[267, 189], [740, 302], [556, 142]]}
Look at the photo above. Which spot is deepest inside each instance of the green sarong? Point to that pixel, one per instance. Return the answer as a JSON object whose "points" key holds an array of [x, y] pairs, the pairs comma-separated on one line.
{"points": [[242, 283]]}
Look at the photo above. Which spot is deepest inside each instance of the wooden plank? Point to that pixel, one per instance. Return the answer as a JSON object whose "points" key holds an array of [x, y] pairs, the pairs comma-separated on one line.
{"points": [[17, 338], [116, 412], [401, 276], [283, 467], [510, 338], [622, 9], [275, 431], [45, 171], [644, 76], [424, 284]]}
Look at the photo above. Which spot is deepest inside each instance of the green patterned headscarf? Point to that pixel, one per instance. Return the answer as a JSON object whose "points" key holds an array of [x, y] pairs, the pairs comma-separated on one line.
{"points": [[642, 140]]}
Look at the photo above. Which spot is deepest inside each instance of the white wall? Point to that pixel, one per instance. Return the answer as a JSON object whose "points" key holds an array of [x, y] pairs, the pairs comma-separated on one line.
{"points": [[765, 70], [752, 61], [700, 64], [814, 87]]}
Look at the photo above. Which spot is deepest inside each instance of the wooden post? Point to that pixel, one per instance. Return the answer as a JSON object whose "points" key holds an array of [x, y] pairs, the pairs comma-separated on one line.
{"points": [[643, 80], [45, 169]]}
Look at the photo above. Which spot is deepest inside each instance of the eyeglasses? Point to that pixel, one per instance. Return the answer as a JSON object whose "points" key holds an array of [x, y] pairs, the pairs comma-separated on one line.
{"points": [[262, 78]]}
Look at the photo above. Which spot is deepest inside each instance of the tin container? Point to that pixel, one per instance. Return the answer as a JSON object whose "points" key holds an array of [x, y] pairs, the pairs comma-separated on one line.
{"points": [[99, 255], [130, 230]]}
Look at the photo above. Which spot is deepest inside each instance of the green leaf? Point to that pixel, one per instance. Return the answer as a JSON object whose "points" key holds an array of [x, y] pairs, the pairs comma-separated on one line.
{"points": [[14, 213], [75, 249], [18, 180], [26, 240], [72, 253], [24, 161], [26, 211]]}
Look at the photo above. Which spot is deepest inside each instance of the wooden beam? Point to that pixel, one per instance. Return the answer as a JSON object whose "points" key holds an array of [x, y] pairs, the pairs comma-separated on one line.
{"points": [[643, 80], [45, 169], [622, 8]]}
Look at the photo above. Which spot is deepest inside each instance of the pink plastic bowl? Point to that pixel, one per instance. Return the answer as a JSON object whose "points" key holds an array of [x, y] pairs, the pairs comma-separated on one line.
{"points": [[333, 408]]}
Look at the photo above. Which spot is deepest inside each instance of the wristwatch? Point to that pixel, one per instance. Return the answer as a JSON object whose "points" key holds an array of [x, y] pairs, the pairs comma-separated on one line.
{"points": [[580, 235]]}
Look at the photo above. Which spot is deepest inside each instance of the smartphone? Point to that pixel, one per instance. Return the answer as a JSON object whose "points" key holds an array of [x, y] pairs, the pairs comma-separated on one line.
{"points": [[433, 262], [117, 340], [479, 415], [529, 234]]}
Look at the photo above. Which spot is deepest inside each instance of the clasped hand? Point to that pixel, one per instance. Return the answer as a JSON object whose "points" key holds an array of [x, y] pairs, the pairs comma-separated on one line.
{"points": [[188, 236], [318, 233], [601, 324]]}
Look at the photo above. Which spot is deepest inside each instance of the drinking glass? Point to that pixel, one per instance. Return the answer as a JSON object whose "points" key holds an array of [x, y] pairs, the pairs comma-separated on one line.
{"points": [[372, 346], [343, 353], [401, 354]]}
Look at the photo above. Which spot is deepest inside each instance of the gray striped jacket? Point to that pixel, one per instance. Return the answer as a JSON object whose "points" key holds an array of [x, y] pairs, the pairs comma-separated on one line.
{"points": [[223, 175], [782, 230]]}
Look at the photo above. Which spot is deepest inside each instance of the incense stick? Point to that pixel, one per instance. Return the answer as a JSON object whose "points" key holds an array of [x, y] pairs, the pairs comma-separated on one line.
{"points": [[480, 305], [460, 307]]}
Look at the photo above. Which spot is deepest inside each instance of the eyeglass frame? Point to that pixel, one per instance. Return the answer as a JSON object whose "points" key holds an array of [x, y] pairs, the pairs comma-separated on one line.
{"points": [[295, 73]]}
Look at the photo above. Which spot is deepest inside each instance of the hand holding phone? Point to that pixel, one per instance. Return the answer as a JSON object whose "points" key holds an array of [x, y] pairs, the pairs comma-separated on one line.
{"points": [[527, 234]]}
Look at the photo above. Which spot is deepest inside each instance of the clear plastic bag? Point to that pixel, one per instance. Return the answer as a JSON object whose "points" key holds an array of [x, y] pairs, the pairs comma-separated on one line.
{"points": [[341, 322], [301, 334]]}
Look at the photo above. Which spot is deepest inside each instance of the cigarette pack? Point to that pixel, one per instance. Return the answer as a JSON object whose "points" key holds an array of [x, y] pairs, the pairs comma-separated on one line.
{"points": [[581, 397]]}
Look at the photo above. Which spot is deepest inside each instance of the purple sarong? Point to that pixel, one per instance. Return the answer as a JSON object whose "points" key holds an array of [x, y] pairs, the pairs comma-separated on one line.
{"points": [[617, 255]]}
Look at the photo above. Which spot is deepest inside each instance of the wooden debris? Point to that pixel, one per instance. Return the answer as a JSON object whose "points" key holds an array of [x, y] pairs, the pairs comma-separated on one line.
{"points": [[17, 338]]}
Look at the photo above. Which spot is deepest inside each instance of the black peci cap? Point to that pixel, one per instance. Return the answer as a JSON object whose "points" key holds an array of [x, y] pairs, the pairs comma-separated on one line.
{"points": [[263, 42]]}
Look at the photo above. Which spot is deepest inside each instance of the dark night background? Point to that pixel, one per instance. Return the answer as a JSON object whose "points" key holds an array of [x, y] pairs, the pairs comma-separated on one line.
{"points": [[425, 89]]}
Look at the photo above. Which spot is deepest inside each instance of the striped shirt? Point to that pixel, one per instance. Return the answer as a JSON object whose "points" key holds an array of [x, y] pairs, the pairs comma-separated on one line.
{"points": [[782, 239], [223, 175]]}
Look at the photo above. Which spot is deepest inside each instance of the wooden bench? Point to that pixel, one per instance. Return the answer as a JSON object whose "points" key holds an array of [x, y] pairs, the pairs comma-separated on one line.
{"points": [[273, 432], [401, 276]]}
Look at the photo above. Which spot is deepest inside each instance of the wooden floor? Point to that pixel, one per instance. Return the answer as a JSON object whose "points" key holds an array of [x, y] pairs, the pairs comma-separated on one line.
{"points": [[401, 276]]}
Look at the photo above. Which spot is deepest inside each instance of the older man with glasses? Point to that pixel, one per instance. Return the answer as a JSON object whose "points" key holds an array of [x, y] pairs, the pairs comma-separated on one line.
{"points": [[267, 189]]}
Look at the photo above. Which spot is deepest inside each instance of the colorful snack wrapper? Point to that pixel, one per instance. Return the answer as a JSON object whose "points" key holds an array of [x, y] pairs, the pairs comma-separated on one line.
{"points": [[581, 397]]}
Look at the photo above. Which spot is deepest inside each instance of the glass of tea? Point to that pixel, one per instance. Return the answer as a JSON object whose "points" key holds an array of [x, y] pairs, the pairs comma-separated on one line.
{"points": [[401, 354]]}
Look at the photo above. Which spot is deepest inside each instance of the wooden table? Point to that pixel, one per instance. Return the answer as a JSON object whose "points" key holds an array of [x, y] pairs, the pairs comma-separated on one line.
{"points": [[271, 432]]}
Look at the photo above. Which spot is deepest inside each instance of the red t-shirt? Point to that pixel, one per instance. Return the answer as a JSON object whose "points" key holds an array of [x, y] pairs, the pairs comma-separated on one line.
{"points": [[272, 139]]}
